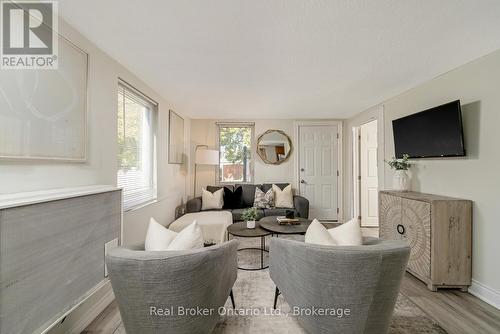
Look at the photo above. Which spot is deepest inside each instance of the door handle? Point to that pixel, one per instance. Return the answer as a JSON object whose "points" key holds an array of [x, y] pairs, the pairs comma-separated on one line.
{"points": [[302, 181], [302, 169]]}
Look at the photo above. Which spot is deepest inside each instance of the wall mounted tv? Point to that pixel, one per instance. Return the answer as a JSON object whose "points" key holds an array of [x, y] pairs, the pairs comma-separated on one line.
{"points": [[435, 132]]}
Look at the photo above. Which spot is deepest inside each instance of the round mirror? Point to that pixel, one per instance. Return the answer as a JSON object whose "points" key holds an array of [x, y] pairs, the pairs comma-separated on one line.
{"points": [[274, 147]]}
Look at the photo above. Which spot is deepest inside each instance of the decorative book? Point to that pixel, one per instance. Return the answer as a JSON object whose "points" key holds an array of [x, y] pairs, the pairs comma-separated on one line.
{"points": [[282, 220]]}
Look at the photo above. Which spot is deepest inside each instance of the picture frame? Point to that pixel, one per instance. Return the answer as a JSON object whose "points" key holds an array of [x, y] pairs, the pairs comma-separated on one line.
{"points": [[56, 132], [175, 138]]}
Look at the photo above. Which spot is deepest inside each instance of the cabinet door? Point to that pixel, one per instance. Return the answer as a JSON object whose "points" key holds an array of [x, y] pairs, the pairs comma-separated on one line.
{"points": [[416, 219], [389, 216]]}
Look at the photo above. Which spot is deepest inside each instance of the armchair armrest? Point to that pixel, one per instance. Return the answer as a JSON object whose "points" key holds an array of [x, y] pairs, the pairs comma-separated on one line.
{"points": [[301, 204], [193, 205]]}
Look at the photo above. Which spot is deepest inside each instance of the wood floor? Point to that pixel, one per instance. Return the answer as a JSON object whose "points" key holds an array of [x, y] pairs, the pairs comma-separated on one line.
{"points": [[456, 312]]}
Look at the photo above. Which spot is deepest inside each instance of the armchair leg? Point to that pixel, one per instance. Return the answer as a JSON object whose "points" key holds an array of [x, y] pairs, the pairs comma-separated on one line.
{"points": [[276, 294], [232, 298]]}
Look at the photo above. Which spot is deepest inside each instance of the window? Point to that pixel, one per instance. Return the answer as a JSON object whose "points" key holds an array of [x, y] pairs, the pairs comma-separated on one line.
{"points": [[235, 147], [136, 146]]}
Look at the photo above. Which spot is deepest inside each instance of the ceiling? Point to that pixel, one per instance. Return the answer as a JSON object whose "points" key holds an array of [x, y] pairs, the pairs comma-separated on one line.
{"points": [[286, 58]]}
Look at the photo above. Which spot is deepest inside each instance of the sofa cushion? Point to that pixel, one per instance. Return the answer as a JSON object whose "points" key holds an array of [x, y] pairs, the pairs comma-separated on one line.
{"points": [[237, 214], [235, 198], [215, 188], [263, 200], [211, 200], [283, 198], [267, 186], [232, 196], [278, 212], [248, 195]]}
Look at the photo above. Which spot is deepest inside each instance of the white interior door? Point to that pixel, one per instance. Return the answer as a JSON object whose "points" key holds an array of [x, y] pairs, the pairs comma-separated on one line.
{"points": [[369, 174], [318, 169]]}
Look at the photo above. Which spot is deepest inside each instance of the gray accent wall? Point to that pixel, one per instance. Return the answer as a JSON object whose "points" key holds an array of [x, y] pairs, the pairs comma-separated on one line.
{"points": [[52, 257]]}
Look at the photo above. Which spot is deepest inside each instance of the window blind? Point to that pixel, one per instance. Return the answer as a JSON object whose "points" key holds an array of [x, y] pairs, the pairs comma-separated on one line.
{"points": [[136, 160]]}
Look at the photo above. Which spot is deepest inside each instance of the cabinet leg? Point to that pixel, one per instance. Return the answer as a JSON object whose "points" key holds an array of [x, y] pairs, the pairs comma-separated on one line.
{"points": [[432, 287], [464, 289]]}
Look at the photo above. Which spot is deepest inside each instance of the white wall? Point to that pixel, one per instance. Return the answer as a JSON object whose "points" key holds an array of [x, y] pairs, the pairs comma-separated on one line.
{"points": [[204, 132], [474, 177], [376, 113], [101, 166]]}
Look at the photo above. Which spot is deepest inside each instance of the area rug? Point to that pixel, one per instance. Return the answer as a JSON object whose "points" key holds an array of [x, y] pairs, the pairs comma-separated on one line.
{"points": [[254, 293]]}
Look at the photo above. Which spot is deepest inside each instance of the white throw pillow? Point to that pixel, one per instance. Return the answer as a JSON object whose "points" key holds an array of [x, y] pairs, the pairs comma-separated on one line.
{"points": [[283, 198], [347, 234], [318, 234], [213, 200], [158, 237], [189, 238]]}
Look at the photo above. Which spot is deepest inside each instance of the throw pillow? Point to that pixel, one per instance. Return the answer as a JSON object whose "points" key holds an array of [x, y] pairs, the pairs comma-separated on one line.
{"points": [[318, 234], [158, 237], [232, 198], [283, 198], [263, 200], [347, 234], [212, 200], [189, 238], [236, 198]]}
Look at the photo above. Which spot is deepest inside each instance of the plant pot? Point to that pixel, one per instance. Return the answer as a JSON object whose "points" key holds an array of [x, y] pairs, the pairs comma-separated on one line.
{"points": [[401, 181], [250, 223]]}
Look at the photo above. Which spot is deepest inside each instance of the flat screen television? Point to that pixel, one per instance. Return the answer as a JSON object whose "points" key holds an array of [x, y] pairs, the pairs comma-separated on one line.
{"points": [[435, 132]]}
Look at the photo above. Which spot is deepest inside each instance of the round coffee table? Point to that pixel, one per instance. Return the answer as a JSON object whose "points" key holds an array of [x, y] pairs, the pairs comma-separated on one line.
{"points": [[271, 224], [241, 230]]}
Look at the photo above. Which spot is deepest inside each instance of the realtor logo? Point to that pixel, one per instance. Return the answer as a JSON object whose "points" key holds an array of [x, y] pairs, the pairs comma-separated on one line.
{"points": [[29, 35]]}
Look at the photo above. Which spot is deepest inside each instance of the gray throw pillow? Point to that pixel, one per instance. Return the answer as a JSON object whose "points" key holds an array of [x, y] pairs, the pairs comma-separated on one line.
{"points": [[263, 200]]}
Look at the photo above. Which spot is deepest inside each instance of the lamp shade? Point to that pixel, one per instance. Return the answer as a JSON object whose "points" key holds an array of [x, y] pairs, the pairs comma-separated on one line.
{"points": [[207, 157]]}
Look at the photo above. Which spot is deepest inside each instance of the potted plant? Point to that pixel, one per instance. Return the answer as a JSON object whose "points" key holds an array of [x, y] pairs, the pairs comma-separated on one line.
{"points": [[401, 180], [249, 215]]}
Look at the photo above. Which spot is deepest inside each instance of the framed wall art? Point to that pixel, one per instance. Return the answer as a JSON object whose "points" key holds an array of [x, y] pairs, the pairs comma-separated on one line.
{"points": [[43, 112]]}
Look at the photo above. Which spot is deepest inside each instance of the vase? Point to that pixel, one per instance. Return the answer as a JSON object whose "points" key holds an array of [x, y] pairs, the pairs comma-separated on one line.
{"points": [[401, 181], [250, 223]]}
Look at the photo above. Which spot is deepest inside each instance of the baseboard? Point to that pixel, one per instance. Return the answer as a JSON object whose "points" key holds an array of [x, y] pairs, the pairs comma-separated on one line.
{"points": [[485, 293], [89, 316]]}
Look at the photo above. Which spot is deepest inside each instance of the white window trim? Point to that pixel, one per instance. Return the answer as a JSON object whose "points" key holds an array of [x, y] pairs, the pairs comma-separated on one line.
{"points": [[253, 151], [154, 131]]}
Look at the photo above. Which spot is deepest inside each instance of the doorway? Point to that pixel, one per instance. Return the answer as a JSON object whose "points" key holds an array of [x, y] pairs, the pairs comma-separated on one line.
{"points": [[365, 171], [319, 168]]}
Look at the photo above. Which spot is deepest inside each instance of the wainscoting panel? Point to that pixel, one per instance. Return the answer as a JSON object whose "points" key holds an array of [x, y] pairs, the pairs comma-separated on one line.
{"points": [[52, 257]]}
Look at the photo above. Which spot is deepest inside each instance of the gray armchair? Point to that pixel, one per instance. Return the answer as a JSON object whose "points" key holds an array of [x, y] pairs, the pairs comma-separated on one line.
{"points": [[363, 279], [148, 284]]}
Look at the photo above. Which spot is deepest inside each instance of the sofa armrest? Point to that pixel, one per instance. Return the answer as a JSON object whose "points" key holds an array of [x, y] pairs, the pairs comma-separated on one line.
{"points": [[301, 204], [193, 205]]}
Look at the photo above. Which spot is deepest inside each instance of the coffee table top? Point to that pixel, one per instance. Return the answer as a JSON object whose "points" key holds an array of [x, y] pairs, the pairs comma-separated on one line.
{"points": [[271, 224], [240, 230]]}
